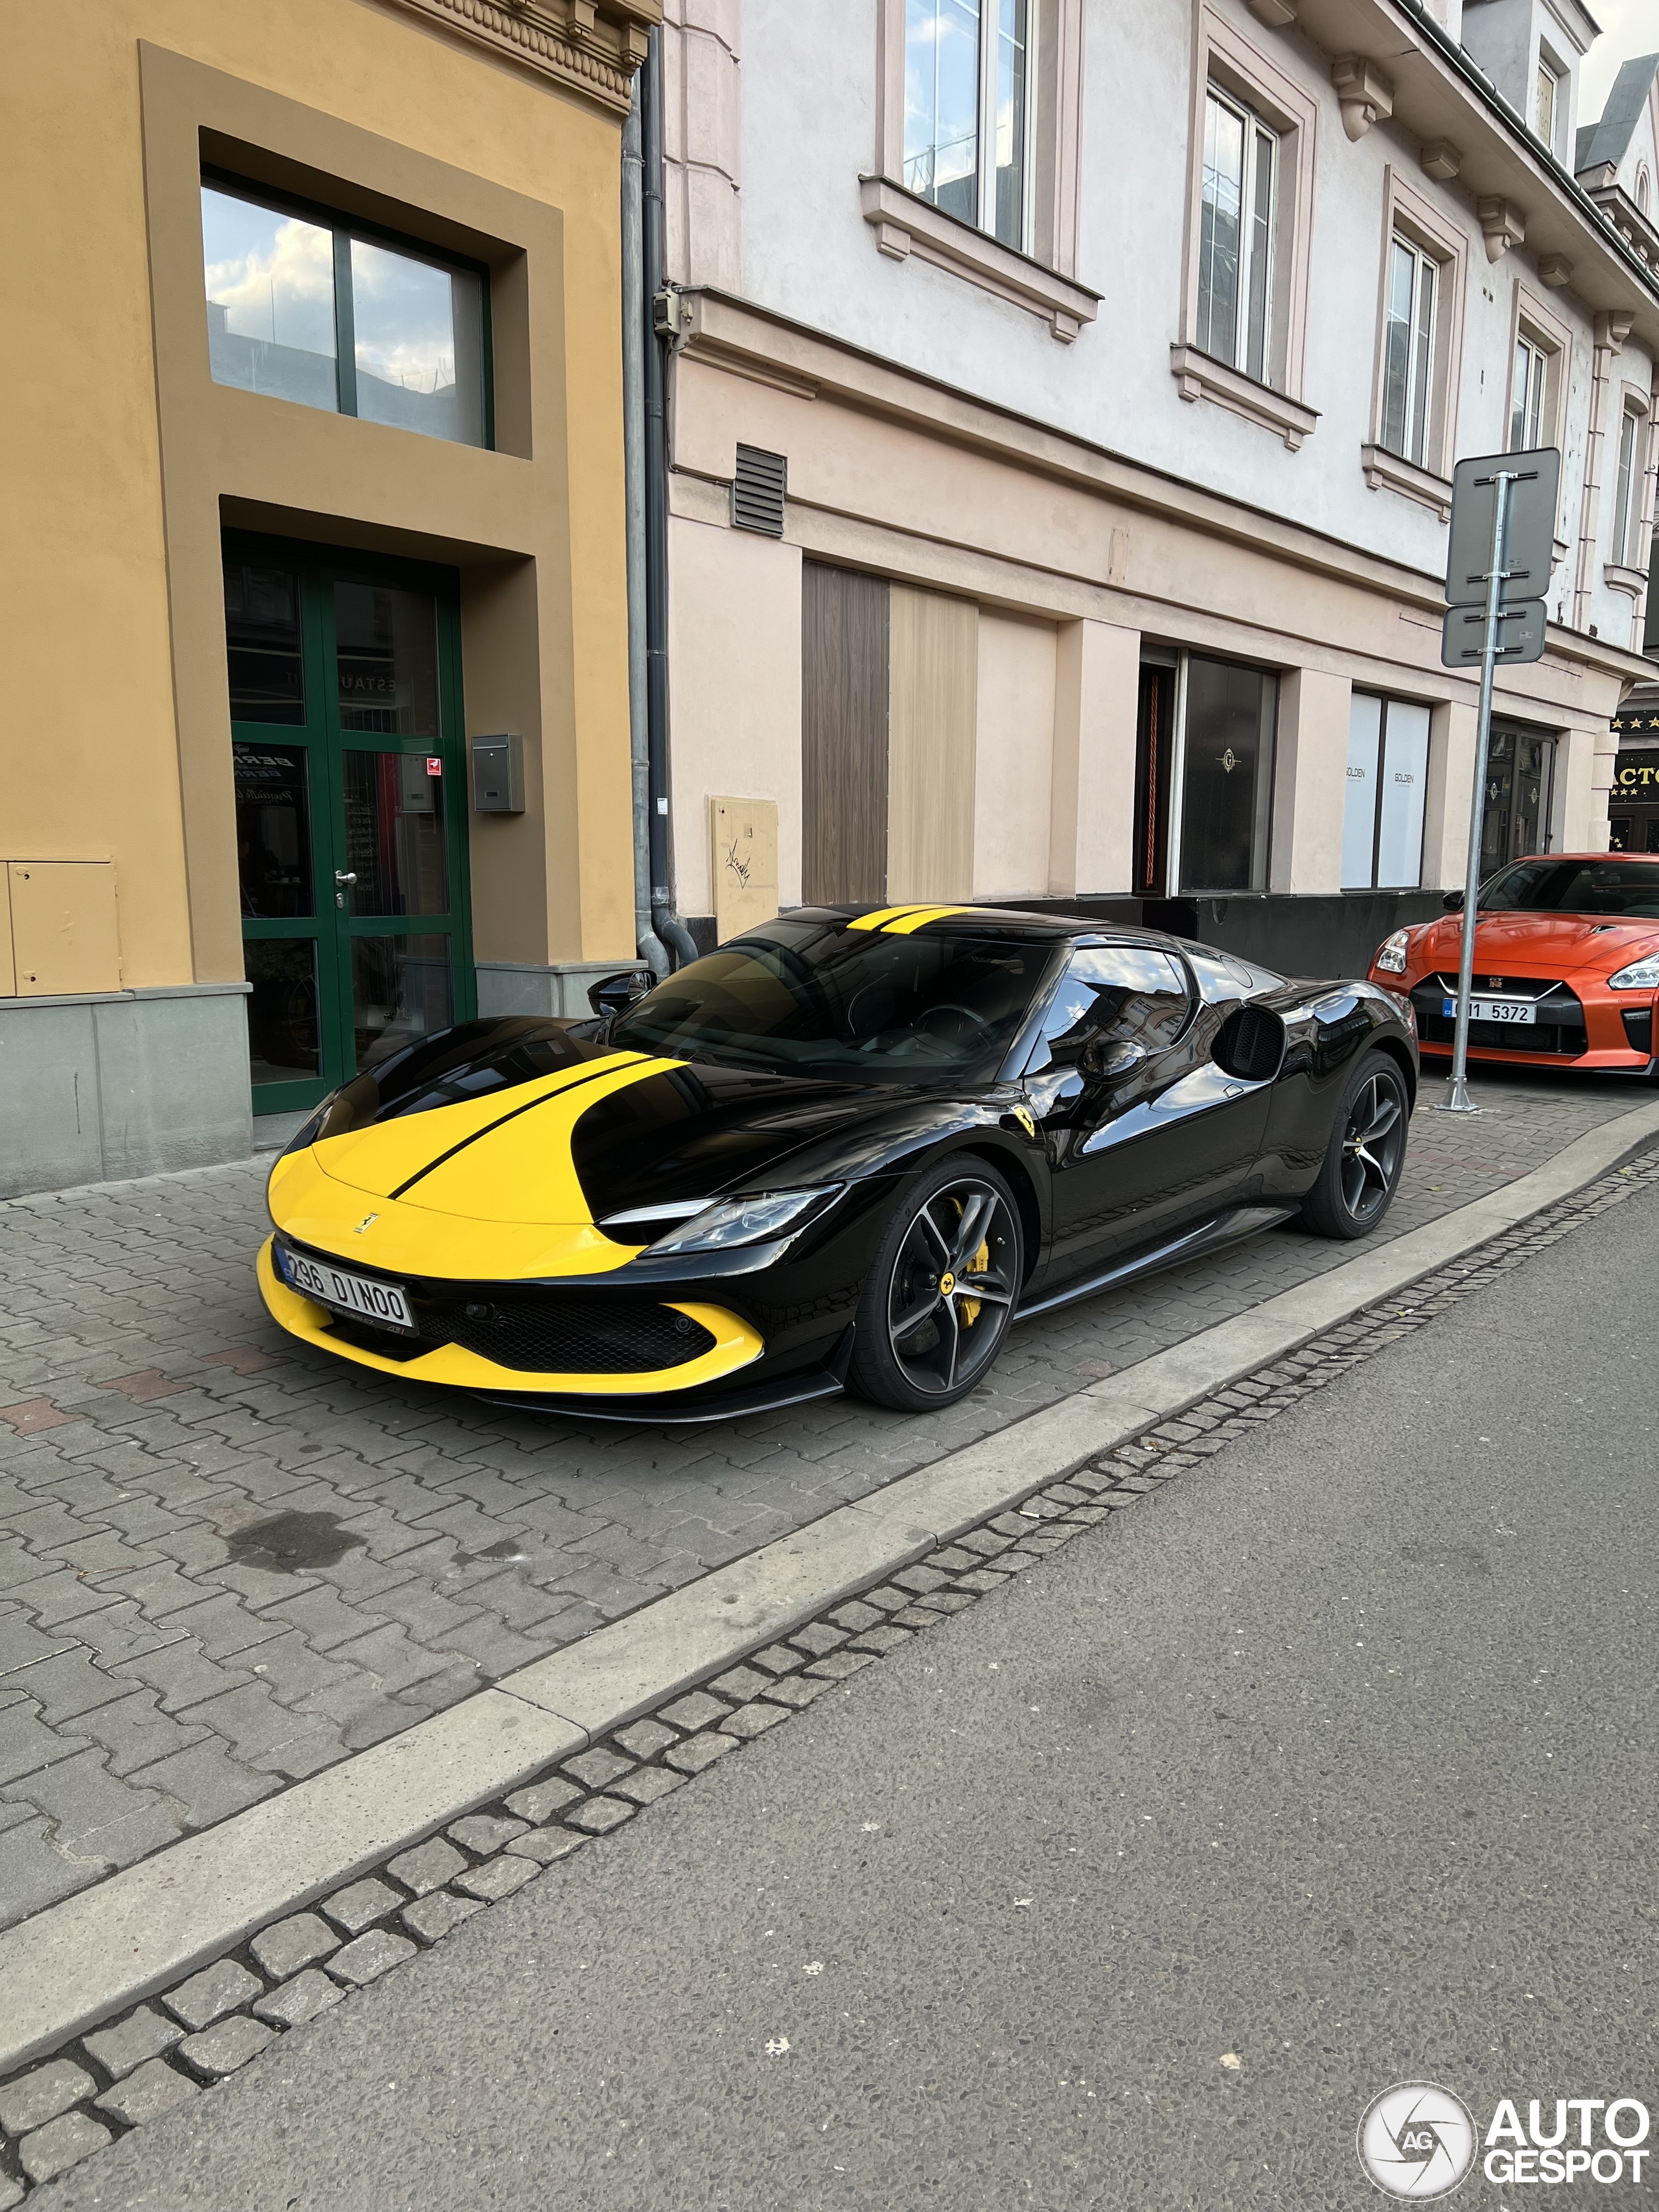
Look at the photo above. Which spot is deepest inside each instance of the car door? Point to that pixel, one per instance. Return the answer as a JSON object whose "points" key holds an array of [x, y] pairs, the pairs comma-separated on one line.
{"points": [[1146, 1131]]}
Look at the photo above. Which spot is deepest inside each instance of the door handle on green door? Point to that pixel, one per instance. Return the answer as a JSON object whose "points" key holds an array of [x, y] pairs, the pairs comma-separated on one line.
{"points": [[344, 876]]}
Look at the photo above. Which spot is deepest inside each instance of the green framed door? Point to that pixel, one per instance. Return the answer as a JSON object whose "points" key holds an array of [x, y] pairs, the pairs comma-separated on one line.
{"points": [[346, 735]]}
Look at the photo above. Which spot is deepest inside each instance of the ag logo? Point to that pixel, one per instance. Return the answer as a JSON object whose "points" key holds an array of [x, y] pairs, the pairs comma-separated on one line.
{"points": [[1417, 2140]]}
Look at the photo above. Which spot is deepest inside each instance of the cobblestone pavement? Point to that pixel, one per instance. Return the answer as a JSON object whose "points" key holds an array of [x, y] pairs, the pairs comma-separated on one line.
{"points": [[159, 2056], [226, 1562]]}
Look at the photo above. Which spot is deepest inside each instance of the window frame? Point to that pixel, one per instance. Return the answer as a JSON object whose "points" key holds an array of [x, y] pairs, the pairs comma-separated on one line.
{"points": [[1227, 63], [1252, 347], [1629, 470], [342, 229], [984, 218], [1040, 275], [1417, 222], [1417, 396], [1546, 335], [1548, 71]]}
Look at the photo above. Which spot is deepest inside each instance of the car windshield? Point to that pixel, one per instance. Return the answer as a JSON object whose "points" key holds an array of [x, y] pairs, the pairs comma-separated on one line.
{"points": [[810, 997], [1618, 888]]}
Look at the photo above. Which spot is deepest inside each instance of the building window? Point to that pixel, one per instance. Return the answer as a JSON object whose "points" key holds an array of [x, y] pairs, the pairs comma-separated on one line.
{"points": [[1387, 781], [1515, 819], [967, 143], [1643, 192], [1408, 352], [1227, 727], [303, 308], [1628, 493], [1546, 101], [1238, 217], [1527, 416]]}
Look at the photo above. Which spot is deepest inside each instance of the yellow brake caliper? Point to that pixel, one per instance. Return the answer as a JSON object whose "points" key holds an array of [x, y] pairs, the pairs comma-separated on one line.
{"points": [[976, 1265]]}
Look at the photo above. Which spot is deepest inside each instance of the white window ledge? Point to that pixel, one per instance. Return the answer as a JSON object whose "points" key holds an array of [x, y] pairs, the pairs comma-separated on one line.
{"points": [[1201, 377], [905, 225], [1618, 578], [1381, 467]]}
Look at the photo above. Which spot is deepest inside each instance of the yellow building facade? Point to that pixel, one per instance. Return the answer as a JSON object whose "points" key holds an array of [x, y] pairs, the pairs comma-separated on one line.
{"points": [[316, 479]]}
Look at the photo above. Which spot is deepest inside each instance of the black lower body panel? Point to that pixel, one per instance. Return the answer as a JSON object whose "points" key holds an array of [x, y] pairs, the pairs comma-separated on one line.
{"points": [[679, 1409]]}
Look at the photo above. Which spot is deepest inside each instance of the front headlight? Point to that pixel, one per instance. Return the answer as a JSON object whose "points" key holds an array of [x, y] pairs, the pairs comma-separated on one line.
{"points": [[1640, 975], [745, 1221], [1390, 956]]}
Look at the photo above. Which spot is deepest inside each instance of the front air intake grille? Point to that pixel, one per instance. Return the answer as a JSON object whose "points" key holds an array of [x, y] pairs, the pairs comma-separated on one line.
{"points": [[1638, 1027], [758, 490], [539, 1336], [1558, 1030]]}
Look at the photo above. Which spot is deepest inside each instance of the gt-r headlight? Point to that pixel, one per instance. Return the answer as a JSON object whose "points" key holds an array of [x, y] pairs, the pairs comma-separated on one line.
{"points": [[1640, 975], [745, 1221], [1390, 956]]}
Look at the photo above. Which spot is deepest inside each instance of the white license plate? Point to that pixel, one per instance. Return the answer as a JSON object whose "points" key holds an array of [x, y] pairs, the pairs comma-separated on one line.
{"points": [[1494, 1010], [386, 1303]]}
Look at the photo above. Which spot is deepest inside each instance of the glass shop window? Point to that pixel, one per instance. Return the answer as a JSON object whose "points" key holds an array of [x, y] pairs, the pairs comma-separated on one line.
{"points": [[304, 307], [1387, 783], [1227, 776]]}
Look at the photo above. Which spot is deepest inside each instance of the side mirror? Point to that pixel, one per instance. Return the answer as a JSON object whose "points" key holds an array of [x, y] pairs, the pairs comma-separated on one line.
{"points": [[1453, 902], [1119, 1058], [615, 994]]}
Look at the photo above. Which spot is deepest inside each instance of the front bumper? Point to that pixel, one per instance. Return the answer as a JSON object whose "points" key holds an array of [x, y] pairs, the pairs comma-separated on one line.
{"points": [[736, 1344], [1582, 1024]]}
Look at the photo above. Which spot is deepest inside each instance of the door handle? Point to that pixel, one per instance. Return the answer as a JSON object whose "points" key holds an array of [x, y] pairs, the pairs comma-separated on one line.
{"points": [[344, 876]]}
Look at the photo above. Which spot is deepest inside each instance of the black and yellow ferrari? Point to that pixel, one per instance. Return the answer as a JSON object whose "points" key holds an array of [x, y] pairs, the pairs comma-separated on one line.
{"points": [[847, 1150]]}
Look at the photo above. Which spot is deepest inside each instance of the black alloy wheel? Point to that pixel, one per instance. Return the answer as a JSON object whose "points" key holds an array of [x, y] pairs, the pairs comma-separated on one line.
{"points": [[1366, 1153], [938, 1302]]}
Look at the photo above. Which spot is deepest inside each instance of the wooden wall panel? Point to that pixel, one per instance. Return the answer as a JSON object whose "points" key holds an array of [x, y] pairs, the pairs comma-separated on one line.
{"points": [[933, 653], [844, 735]]}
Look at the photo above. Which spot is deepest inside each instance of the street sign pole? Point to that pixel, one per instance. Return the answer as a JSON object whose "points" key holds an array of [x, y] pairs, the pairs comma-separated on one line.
{"points": [[1458, 1101]]}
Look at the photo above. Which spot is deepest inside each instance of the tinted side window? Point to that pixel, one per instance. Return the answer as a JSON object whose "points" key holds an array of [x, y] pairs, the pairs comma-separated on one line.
{"points": [[1113, 992]]}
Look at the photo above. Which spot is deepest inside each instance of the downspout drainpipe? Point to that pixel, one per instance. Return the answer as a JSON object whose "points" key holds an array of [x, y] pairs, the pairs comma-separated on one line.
{"points": [[666, 923], [635, 337]]}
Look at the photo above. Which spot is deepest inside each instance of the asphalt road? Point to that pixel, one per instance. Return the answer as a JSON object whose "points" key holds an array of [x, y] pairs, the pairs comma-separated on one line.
{"points": [[1331, 1766]]}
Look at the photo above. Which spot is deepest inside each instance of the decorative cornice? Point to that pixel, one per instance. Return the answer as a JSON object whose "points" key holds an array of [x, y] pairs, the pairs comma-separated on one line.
{"points": [[1502, 224], [1364, 94], [589, 47]]}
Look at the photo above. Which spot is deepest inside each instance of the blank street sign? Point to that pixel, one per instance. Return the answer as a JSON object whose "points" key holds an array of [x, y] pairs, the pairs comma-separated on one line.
{"points": [[1520, 633], [1534, 499]]}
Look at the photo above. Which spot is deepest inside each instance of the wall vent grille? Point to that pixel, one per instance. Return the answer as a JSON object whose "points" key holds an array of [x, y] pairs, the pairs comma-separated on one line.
{"points": [[757, 491]]}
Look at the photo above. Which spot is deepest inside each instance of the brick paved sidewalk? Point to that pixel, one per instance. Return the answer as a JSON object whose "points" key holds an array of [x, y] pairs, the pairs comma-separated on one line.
{"points": [[226, 1562]]}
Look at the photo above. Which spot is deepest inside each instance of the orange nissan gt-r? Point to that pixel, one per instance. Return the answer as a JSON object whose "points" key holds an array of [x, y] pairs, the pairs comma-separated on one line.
{"points": [[1566, 964]]}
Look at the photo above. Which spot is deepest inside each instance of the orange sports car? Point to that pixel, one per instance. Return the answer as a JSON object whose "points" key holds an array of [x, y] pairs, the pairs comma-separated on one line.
{"points": [[1566, 964]]}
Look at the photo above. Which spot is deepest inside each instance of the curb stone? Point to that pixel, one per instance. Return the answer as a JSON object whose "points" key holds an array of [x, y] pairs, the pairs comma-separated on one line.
{"points": [[746, 1701]]}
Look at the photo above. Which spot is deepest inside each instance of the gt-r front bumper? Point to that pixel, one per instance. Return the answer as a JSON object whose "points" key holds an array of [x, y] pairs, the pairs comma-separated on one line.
{"points": [[1579, 1023]]}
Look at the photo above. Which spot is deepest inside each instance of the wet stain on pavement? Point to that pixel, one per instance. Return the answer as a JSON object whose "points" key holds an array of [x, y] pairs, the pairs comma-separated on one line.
{"points": [[288, 1543]]}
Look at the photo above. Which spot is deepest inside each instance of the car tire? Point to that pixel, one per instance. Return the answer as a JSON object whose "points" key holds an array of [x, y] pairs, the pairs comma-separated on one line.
{"points": [[935, 1307], [1366, 1154]]}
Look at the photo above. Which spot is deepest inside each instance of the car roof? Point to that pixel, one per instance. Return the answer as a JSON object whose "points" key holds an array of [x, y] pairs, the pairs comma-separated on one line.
{"points": [[1647, 859]]}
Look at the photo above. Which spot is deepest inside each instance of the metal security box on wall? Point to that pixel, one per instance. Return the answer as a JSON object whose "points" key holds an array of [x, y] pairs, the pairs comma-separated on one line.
{"points": [[498, 775]]}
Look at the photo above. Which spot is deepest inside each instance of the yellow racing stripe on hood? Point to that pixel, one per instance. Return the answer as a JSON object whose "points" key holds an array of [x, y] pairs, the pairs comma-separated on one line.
{"points": [[381, 1159], [525, 1169]]}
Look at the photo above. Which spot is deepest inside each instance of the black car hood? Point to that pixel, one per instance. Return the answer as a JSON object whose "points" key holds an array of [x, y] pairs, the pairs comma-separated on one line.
{"points": [[678, 1131]]}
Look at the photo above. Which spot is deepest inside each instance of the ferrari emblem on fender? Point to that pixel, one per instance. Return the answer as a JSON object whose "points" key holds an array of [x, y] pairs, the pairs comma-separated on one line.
{"points": [[812, 1163]]}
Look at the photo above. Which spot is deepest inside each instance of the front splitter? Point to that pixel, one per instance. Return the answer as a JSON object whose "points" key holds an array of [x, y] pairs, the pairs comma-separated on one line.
{"points": [[681, 1410]]}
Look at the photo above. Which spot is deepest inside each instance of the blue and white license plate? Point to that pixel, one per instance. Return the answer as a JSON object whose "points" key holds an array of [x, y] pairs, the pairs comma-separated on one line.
{"points": [[1493, 1010], [385, 1303]]}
